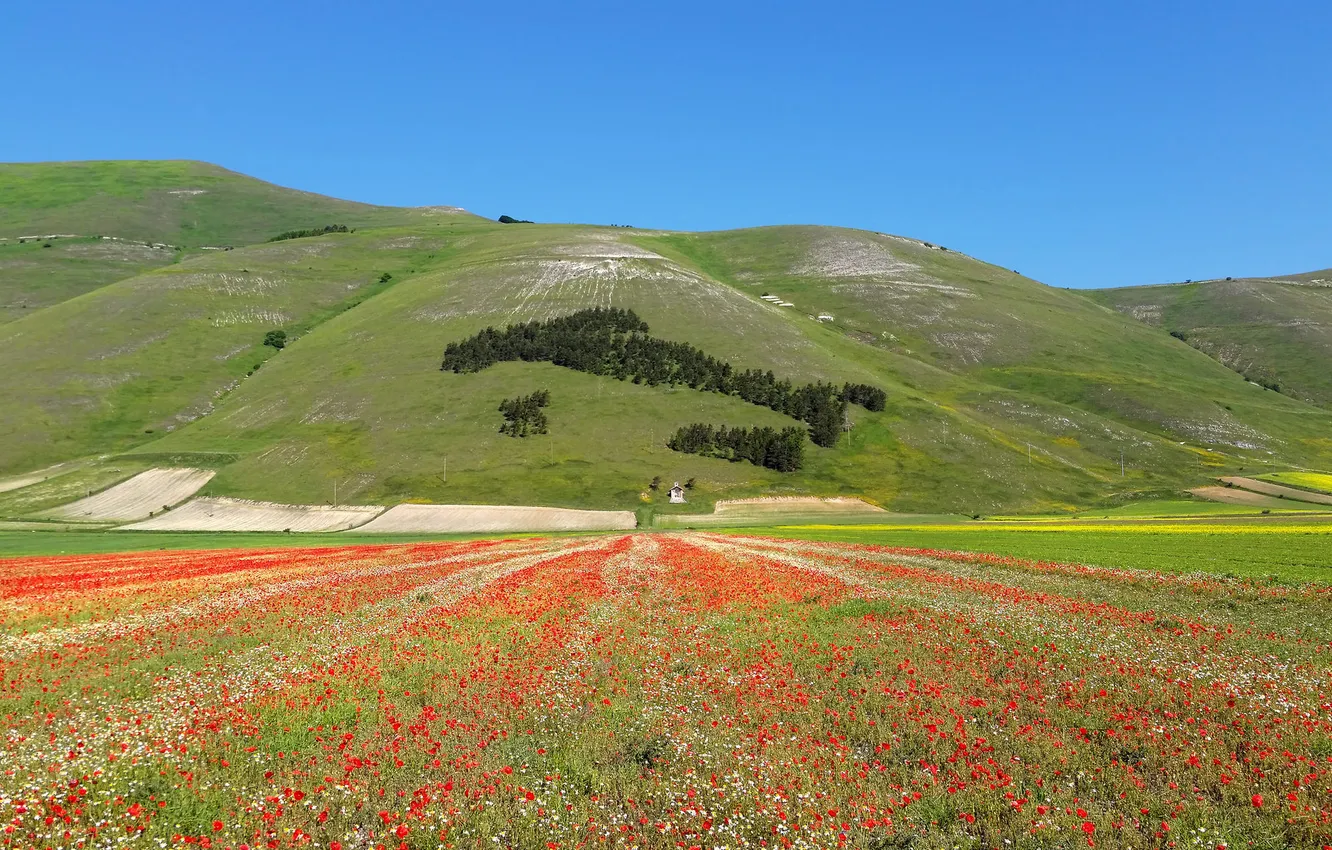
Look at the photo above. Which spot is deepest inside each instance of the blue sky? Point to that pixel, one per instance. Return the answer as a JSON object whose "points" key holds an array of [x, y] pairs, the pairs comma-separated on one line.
{"points": [[1084, 144]]}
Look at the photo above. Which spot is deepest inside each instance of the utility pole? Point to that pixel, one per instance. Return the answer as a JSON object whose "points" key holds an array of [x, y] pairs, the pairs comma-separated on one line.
{"points": [[1121, 463], [335, 492], [445, 474], [1028, 452]]}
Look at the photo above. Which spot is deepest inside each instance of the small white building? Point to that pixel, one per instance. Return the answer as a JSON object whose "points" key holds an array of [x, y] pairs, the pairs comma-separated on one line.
{"points": [[677, 494]]}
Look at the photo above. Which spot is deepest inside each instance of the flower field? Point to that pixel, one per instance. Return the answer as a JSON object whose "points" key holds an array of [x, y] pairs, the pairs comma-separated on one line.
{"points": [[656, 691]]}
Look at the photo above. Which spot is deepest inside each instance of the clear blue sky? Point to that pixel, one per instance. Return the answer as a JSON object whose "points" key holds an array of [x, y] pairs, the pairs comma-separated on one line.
{"points": [[1082, 143]]}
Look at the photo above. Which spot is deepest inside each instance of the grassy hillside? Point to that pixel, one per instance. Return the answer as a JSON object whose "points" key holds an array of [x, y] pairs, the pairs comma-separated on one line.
{"points": [[942, 308], [1004, 394], [1275, 331], [360, 400], [146, 355], [68, 228]]}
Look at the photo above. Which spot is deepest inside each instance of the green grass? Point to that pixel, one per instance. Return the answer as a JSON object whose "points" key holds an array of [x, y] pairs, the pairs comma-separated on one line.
{"points": [[1179, 507], [107, 371], [24, 544], [1004, 395], [1285, 549], [157, 213], [1289, 551], [190, 204], [40, 273]]}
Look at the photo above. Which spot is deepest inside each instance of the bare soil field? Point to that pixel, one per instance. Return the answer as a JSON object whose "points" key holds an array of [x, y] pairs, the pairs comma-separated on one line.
{"points": [[776, 510], [1236, 496], [804, 504], [478, 518], [221, 514], [1269, 489], [138, 498]]}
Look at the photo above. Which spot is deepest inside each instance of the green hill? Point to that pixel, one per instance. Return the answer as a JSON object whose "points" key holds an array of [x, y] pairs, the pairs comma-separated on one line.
{"points": [[68, 228], [1004, 394], [1275, 331]]}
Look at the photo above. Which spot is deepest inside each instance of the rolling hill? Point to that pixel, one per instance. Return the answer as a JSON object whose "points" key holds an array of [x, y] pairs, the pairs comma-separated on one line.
{"points": [[1275, 331], [1003, 394], [68, 228]]}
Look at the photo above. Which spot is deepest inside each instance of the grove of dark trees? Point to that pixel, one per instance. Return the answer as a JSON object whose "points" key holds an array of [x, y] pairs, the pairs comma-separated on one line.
{"points": [[615, 342], [523, 415], [782, 450], [314, 231]]}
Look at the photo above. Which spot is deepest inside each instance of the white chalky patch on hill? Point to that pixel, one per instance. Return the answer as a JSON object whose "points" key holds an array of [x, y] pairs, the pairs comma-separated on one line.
{"points": [[289, 250], [1220, 432], [256, 413], [903, 289], [1149, 313], [106, 250], [251, 316], [241, 284], [144, 494], [477, 518], [222, 514], [285, 454], [852, 256], [526, 289], [967, 346], [130, 347], [334, 410]]}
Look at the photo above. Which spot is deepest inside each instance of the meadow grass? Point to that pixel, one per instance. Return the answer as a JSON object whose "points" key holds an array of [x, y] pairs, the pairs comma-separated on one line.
{"points": [[1286, 550], [1318, 482], [24, 544]]}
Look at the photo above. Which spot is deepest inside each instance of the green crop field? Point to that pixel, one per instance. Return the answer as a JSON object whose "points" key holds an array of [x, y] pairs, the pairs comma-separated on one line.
{"points": [[1286, 550], [1318, 482]]}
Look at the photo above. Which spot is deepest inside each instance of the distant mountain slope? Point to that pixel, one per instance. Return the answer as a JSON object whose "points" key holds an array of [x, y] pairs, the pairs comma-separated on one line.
{"points": [[1004, 394], [943, 308], [361, 399], [1275, 331], [68, 228]]}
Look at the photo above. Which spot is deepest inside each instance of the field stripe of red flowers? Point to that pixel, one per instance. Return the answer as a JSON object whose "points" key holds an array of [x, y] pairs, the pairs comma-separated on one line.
{"points": [[656, 691]]}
